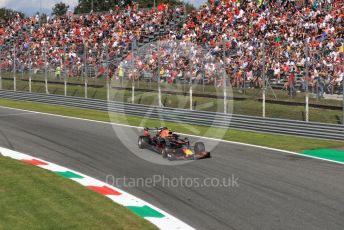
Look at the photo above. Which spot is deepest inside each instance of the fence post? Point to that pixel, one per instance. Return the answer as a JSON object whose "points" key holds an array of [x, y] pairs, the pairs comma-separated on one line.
{"points": [[263, 77], [0, 68], [132, 72], [190, 76], [224, 79], [121, 77], [14, 69], [343, 99], [150, 79], [137, 54], [45, 67], [343, 92], [159, 87], [203, 78], [85, 70], [203, 73], [244, 78], [306, 81], [224, 92], [65, 70], [107, 74], [191, 107], [30, 70], [22, 67]]}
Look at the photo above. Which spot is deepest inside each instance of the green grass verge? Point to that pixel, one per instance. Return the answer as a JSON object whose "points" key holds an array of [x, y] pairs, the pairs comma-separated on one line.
{"points": [[285, 142], [34, 198]]}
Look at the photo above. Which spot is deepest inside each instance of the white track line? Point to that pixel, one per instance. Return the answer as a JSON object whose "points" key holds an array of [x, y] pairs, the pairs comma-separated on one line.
{"points": [[208, 138]]}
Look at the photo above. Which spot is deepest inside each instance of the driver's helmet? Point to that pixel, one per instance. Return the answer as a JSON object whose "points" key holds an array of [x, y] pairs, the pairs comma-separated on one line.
{"points": [[161, 130], [170, 132]]}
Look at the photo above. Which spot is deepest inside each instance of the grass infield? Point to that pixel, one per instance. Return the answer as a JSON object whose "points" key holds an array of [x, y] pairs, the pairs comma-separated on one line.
{"points": [[34, 198], [285, 142]]}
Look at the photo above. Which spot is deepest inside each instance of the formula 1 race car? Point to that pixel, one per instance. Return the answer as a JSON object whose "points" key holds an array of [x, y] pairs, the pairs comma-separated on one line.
{"points": [[171, 146]]}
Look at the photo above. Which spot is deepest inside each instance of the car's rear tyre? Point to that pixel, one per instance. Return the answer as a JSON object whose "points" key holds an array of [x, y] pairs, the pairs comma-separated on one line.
{"points": [[165, 152], [171, 157], [199, 147], [143, 142]]}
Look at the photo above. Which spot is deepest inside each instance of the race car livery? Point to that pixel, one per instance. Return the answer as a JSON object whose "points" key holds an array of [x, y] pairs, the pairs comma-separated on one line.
{"points": [[171, 145]]}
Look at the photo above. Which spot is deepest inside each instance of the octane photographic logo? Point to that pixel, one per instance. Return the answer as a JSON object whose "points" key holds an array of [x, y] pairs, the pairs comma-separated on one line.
{"points": [[163, 75], [229, 182]]}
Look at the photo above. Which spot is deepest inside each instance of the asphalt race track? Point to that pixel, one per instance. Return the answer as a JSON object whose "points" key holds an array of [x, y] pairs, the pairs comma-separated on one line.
{"points": [[276, 190]]}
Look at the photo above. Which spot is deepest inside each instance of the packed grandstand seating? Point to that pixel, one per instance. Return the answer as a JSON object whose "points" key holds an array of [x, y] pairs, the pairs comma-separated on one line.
{"points": [[290, 33], [104, 36], [292, 38]]}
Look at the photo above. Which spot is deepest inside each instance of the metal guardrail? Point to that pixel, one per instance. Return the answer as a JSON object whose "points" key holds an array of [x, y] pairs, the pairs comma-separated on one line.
{"points": [[220, 120], [186, 93]]}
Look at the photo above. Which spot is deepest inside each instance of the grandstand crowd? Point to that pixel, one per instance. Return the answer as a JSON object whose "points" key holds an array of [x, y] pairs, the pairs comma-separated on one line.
{"points": [[282, 40], [64, 39]]}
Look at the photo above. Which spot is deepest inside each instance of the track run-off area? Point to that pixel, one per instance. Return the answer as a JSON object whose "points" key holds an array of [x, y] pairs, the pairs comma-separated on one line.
{"points": [[269, 189]]}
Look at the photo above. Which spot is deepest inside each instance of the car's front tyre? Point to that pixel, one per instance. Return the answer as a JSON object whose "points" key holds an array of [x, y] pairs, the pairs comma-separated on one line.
{"points": [[199, 147]]}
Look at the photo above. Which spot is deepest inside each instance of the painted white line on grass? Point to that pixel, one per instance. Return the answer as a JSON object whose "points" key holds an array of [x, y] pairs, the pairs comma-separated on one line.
{"points": [[207, 138]]}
